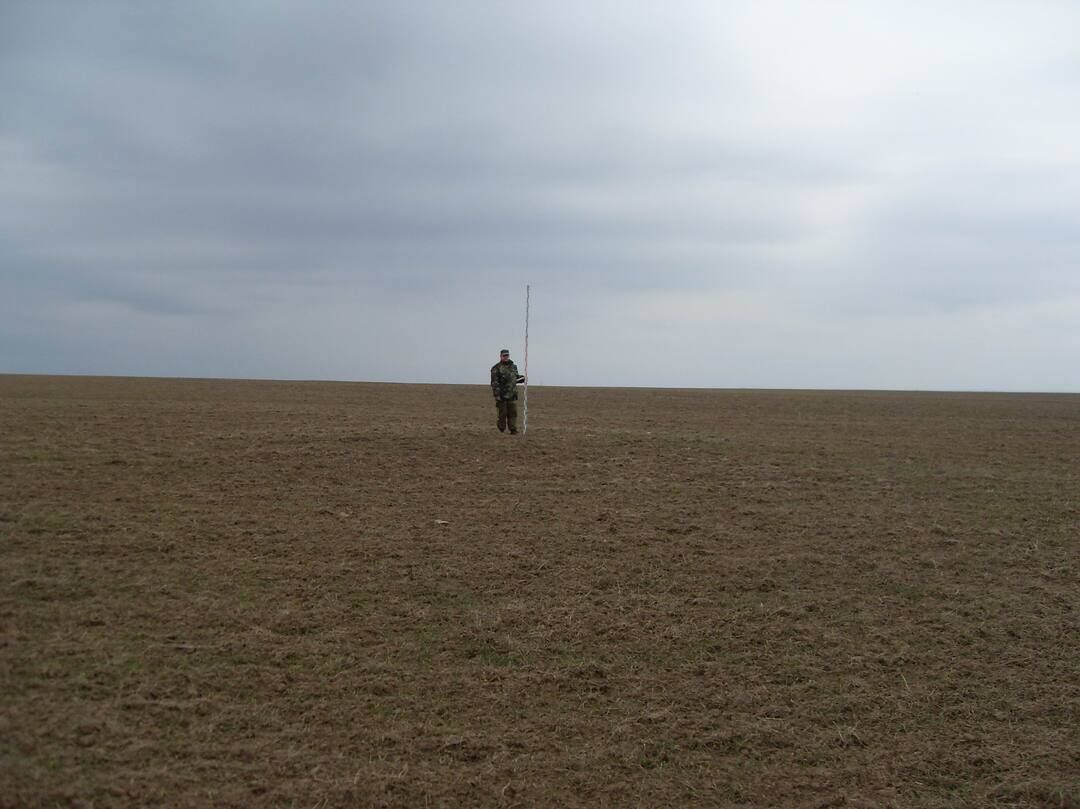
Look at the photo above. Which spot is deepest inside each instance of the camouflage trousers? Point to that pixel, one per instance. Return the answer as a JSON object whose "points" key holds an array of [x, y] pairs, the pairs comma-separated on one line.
{"points": [[508, 413]]}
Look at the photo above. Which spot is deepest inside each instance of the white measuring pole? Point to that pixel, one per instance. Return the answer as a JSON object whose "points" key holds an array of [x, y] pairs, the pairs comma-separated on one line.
{"points": [[525, 423]]}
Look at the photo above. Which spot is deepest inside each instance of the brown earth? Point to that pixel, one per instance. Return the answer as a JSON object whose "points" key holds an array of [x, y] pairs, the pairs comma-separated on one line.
{"points": [[222, 593]]}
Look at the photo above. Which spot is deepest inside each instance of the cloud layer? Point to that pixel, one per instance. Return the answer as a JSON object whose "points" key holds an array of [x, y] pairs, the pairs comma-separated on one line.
{"points": [[712, 194]]}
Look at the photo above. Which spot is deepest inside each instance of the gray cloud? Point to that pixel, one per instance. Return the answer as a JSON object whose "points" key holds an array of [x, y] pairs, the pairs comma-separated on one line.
{"points": [[363, 190]]}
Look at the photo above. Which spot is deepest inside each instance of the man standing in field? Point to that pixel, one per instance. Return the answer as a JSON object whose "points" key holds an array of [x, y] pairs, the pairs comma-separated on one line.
{"points": [[504, 381]]}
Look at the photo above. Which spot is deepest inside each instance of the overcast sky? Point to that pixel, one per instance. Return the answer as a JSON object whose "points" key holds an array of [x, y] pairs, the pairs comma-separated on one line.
{"points": [[702, 194]]}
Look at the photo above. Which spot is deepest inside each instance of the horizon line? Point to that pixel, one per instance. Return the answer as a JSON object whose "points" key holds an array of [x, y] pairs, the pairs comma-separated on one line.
{"points": [[732, 389]]}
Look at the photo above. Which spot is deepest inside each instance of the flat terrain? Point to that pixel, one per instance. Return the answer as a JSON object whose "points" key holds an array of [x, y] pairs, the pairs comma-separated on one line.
{"points": [[218, 593]]}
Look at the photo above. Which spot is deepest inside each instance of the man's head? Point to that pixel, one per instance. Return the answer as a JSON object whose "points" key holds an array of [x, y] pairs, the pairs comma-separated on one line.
{"points": [[504, 355]]}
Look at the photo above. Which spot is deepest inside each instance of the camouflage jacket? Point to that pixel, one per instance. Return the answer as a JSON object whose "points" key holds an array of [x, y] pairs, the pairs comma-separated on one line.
{"points": [[504, 379]]}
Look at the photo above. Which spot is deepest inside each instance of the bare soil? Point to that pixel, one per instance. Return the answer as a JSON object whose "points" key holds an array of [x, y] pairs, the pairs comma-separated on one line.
{"points": [[227, 593]]}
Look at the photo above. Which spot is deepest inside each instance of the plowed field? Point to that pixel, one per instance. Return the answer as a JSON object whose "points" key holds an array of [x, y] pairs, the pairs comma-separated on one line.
{"points": [[219, 593]]}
